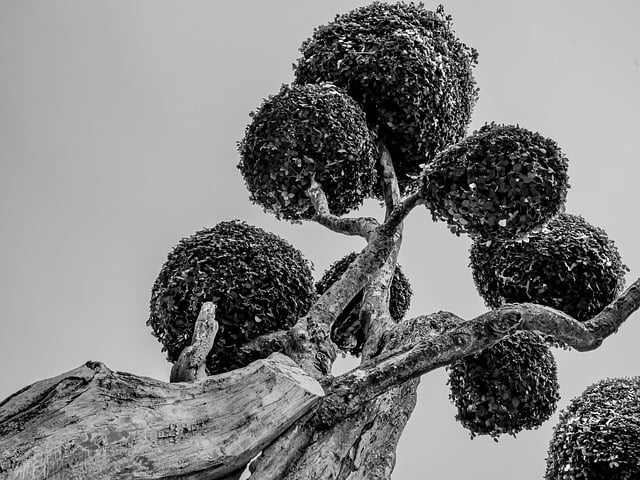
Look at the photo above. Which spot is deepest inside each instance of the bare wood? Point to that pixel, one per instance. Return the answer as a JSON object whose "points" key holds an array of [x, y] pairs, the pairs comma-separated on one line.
{"points": [[362, 227], [95, 423], [192, 362]]}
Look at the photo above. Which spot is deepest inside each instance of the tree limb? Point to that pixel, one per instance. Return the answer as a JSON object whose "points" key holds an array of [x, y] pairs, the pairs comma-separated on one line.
{"points": [[350, 392], [192, 362], [94, 423], [388, 179], [362, 227], [401, 211]]}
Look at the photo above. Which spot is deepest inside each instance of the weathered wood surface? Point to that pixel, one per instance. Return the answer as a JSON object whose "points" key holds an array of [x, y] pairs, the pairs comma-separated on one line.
{"points": [[93, 423]]}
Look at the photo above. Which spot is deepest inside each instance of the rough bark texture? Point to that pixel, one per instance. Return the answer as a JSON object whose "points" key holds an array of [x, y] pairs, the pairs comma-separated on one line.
{"points": [[94, 423], [192, 363]]}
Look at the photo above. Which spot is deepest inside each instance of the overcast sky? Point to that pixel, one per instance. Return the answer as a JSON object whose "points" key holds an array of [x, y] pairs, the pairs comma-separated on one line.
{"points": [[118, 130]]}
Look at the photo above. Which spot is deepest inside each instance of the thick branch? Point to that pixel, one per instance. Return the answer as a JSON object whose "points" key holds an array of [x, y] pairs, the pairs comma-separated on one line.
{"points": [[362, 227], [99, 424], [315, 351], [191, 365], [352, 391], [375, 318]]}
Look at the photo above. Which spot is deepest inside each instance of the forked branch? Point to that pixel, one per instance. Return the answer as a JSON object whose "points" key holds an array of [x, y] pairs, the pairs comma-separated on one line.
{"points": [[362, 226]]}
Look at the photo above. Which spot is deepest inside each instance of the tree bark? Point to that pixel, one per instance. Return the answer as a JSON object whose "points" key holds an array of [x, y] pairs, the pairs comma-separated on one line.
{"points": [[94, 423]]}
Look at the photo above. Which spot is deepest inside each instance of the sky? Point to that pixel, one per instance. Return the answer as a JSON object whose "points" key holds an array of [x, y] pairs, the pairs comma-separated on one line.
{"points": [[118, 130]]}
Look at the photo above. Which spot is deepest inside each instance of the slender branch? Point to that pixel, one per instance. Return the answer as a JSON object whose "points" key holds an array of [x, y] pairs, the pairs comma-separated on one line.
{"points": [[362, 227], [191, 364], [613, 315], [388, 180]]}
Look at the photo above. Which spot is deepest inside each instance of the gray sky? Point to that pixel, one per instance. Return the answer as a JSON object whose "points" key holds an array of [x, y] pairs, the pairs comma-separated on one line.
{"points": [[118, 130]]}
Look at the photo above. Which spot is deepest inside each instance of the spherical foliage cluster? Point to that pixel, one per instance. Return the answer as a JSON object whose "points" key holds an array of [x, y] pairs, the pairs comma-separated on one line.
{"points": [[399, 300], [598, 435], [505, 388], [407, 69], [569, 265], [501, 181], [258, 282], [305, 132]]}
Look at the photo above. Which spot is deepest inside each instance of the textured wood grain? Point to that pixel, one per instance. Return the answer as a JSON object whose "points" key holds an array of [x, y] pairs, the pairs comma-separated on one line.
{"points": [[94, 423]]}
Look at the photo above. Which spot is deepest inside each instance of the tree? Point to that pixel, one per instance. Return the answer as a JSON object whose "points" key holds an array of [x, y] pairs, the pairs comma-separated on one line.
{"points": [[498, 225]]}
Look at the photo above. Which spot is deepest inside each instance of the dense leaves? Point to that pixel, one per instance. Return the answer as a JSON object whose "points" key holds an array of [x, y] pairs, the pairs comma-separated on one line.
{"points": [[502, 181], [598, 435], [570, 265], [505, 388], [258, 281], [302, 132], [407, 69], [348, 320]]}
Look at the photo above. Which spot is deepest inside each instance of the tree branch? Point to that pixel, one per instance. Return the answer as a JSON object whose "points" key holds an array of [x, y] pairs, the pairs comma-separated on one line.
{"points": [[94, 423], [191, 364], [349, 393], [362, 227], [388, 180], [401, 211], [375, 318]]}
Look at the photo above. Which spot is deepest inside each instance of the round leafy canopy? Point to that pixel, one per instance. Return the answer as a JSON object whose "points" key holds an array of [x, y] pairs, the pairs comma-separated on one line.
{"points": [[258, 281], [502, 181], [505, 388], [346, 327], [598, 435], [570, 265], [305, 132], [407, 69]]}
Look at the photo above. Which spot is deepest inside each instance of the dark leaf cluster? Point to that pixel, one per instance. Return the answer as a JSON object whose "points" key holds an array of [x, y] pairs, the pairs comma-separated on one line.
{"points": [[598, 435], [407, 69], [304, 132], [258, 281], [501, 181], [399, 300], [506, 388], [569, 265]]}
